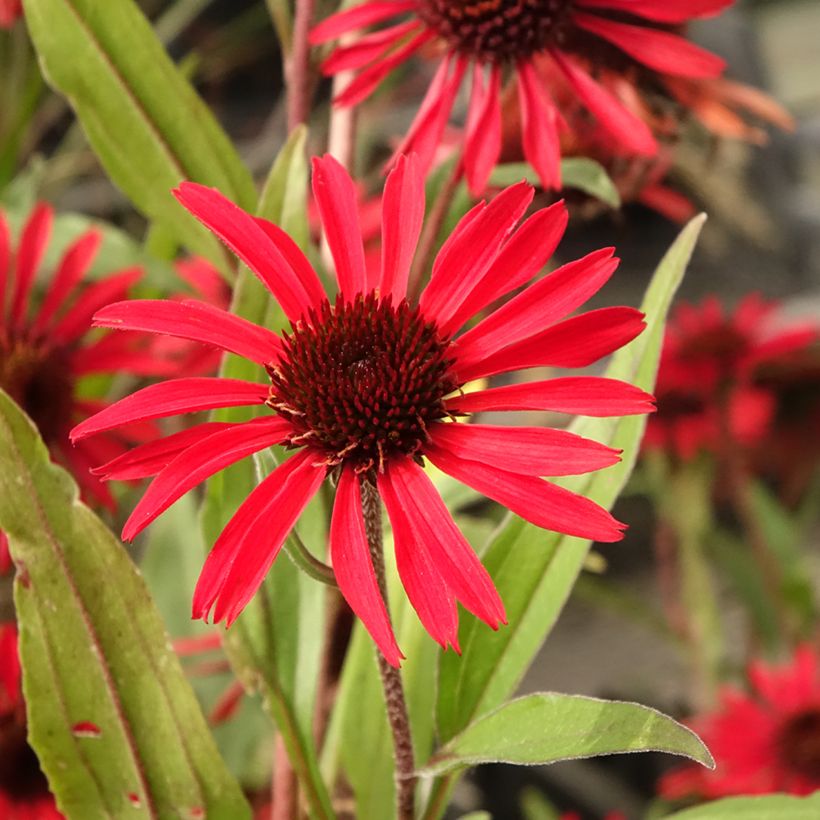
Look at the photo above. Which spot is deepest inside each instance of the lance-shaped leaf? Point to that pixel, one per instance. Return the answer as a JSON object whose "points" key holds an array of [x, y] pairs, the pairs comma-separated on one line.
{"points": [[116, 726], [143, 118], [275, 645], [535, 570], [763, 807], [548, 727]]}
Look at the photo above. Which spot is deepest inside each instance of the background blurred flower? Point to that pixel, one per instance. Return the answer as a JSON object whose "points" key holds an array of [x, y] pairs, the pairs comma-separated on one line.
{"points": [[24, 793], [766, 740], [366, 388], [10, 10], [592, 44]]}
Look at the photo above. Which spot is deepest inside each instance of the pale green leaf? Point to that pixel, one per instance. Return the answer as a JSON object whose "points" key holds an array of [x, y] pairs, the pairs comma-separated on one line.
{"points": [[548, 727], [765, 807], [143, 118], [114, 721]]}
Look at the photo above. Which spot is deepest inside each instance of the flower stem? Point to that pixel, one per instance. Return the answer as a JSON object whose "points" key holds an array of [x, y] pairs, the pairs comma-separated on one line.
{"points": [[391, 677], [298, 65], [432, 228]]}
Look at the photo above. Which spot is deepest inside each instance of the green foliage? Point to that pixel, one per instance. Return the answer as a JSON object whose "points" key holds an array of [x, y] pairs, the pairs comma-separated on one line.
{"points": [[143, 118], [111, 715], [535, 570], [545, 728], [767, 807]]}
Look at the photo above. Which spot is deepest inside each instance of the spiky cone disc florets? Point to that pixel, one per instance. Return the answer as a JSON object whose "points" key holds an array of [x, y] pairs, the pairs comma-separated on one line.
{"points": [[367, 390]]}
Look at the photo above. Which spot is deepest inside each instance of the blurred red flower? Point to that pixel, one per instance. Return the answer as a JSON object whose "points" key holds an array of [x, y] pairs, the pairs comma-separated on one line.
{"points": [[10, 10], [707, 390], [764, 740], [368, 387], [591, 44], [24, 793]]}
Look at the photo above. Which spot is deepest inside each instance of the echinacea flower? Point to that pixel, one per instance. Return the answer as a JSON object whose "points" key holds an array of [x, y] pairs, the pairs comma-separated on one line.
{"points": [[590, 43], [10, 10], [46, 350], [368, 386], [707, 387], [24, 793], [764, 740]]}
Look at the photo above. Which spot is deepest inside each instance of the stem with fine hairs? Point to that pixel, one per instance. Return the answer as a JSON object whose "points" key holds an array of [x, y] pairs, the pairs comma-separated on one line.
{"points": [[391, 677]]}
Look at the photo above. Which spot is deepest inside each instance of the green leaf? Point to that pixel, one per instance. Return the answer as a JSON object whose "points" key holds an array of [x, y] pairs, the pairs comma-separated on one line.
{"points": [[275, 646], [126, 736], [143, 118], [548, 727], [767, 807], [535, 570], [582, 173]]}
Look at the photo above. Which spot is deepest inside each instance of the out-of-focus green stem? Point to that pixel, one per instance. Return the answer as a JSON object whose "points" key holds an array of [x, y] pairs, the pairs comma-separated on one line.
{"points": [[283, 23]]}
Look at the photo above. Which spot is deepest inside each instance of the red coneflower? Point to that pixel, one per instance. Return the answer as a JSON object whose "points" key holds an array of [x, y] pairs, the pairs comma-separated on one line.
{"points": [[589, 42], [366, 387], [45, 352], [707, 381], [10, 10], [764, 740], [24, 793]]}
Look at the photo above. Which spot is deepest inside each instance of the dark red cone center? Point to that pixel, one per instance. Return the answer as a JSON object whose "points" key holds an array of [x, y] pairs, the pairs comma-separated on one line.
{"points": [[362, 381], [799, 744]]}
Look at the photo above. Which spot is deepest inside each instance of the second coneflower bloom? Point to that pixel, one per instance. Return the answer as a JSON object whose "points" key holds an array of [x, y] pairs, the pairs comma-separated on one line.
{"points": [[366, 387], [594, 45]]}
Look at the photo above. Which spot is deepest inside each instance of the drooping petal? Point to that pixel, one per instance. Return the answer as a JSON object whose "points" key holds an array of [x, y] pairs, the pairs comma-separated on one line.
{"points": [[670, 11], [150, 458], [427, 590], [5, 268], [521, 258], [539, 127], [171, 398], [356, 17], [543, 504], [459, 268], [579, 395], [31, 249], [576, 342], [193, 320], [540, 305], [366, 48], [660, 50], [483, 134], [447, 547], [353, 567], [538, 451], [335, 196], [200, 461], [243, 234], [74, 264], [237, 566], [117, 353], [629, 130], [402, 217], [77, 320]]}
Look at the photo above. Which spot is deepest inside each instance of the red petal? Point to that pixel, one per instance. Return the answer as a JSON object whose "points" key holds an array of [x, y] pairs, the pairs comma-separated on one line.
{"points": [[31, 249], [199, 462], [422, 580], [335, 196], [366, 48], [171, 398], [539, 127], [576, 342], [75, 262], [449, 550], [5, 267], [197, 321], [670, 11], [460, 266], [402, 217], [358, 17], [483, 134], [148, 459], [539, 451], [539, 306], [238, 564], [581, 395], [521, 257], [248, 240], [661, 50], [545, 505], [352, 565]]}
